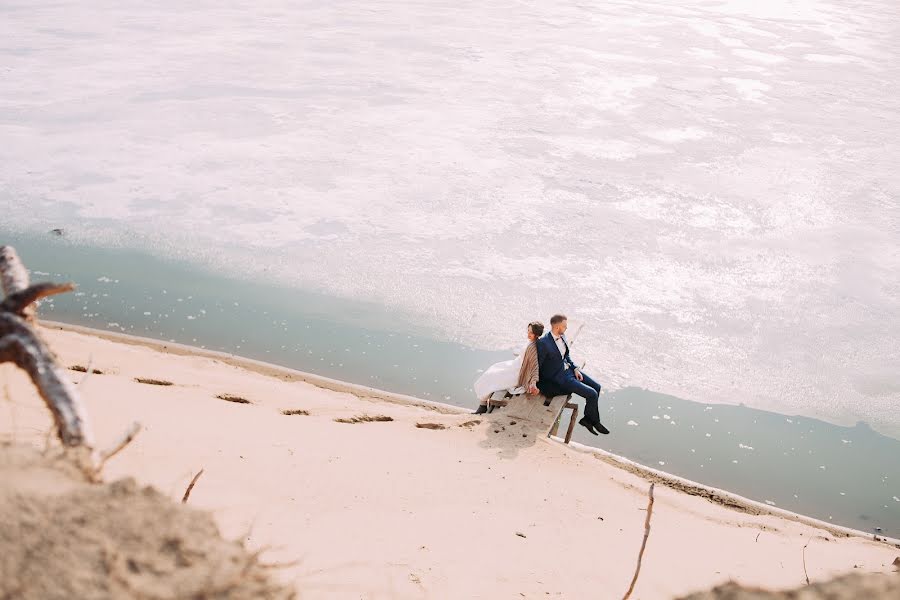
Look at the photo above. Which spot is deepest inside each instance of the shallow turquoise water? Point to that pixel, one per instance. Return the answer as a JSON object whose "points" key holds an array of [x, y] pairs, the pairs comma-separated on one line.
{"points": [[846, 475]]}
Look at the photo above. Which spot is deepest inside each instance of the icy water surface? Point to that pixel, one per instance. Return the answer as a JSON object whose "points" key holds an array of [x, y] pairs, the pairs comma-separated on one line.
{"points": [[712, 186], [845, 475]]}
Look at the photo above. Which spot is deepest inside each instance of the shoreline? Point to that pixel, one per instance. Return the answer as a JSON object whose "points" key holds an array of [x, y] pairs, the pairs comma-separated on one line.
{"points": [[714, 495]]}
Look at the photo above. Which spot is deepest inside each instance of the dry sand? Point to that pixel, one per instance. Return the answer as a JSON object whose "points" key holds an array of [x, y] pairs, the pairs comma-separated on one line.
{"points": [[391, 509]]}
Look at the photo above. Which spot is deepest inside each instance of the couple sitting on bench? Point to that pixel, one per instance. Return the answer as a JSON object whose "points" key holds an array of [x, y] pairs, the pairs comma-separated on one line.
{"points": [[546, 368]]}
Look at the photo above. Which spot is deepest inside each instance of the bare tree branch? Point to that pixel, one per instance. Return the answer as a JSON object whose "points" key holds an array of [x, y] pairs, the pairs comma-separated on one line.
{"points": [[637, 571], [20, 344]]}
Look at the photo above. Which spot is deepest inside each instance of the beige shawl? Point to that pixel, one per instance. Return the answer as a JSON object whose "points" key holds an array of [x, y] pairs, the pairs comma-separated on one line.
{"points": [[528, 373]]}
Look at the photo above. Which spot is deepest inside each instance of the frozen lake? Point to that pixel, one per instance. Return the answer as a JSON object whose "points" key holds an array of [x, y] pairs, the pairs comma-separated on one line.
{"points": [[712, 187], [843, 475]]}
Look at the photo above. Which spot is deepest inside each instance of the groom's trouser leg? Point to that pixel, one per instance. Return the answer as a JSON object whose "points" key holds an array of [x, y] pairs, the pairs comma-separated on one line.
{"points": [[590, 391]]}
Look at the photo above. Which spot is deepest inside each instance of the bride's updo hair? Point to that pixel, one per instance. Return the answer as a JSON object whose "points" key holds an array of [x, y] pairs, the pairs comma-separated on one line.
{"points": [[537, 328]]}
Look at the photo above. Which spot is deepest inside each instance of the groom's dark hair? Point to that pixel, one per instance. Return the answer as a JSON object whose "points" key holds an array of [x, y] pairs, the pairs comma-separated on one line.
{"points": [[557, 319], [537, 328]]}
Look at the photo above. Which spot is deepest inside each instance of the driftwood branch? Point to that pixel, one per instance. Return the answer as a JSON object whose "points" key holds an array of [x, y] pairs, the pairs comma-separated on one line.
{"points": [[20, 344], [13, 274], [187, 492], [21, 302], [637, 570]]}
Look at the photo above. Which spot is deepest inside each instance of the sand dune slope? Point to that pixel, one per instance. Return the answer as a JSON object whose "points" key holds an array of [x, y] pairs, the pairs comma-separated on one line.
{"points": [[389, 509]]}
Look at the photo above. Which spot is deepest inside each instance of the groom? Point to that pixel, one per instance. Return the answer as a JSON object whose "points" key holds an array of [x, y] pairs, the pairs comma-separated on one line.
{"points": [[558, 375]]}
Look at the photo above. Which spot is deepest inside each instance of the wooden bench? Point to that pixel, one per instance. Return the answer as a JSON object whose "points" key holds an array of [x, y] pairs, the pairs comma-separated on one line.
{"points": [[532, 409]]}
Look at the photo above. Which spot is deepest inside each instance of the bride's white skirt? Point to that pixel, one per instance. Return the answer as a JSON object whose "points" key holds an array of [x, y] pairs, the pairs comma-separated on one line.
{"points": [[500, 376]]}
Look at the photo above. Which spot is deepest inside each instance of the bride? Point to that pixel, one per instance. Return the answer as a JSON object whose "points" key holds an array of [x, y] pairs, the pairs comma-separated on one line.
{"points": [[518, 375]]}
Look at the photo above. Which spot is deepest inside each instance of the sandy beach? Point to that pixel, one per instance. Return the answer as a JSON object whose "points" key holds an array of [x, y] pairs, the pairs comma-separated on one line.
{"points": [[432, 503]]}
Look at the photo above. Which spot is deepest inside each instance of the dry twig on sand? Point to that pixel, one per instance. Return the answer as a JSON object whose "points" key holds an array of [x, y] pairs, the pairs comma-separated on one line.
{"points": [[637, 570], [190, 486], [120, 443], [805, 574]]}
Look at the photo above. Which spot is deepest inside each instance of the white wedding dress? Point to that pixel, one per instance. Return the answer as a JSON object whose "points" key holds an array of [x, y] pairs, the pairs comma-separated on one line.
{"points": [[501, 376]]}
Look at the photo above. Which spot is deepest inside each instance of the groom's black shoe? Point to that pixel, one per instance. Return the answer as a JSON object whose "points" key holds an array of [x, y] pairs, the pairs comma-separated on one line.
{"points": [[588, 425], [599, 427], [482, 408]]}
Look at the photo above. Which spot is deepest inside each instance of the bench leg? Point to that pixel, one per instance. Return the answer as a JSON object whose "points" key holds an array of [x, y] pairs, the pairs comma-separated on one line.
{"points": [[572, 421], [555, 428]]}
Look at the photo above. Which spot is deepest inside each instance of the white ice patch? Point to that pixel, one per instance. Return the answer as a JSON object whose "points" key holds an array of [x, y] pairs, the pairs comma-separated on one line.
{"points": [[755, 55], [749, 89], [833, 59], [745, 447], [632, 423], [675, 136]]}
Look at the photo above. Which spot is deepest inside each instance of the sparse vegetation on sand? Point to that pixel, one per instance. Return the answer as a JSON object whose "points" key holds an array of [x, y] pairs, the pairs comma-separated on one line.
{"points": [[365, 419], [233, 398], [430, 426], [150, 381], [83, 369]]}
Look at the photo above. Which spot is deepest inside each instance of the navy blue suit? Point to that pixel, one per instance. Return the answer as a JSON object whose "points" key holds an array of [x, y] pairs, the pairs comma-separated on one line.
{"points": [[557, 376]]}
